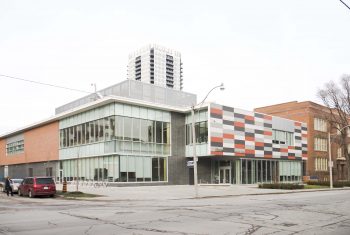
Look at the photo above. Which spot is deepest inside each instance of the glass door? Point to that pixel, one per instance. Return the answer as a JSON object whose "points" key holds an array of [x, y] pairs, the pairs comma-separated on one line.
{"points": [[225, 175]]}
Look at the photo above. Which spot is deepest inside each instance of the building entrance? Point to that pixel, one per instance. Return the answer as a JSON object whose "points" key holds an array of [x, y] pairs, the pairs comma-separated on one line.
{"points": [[225, 175]]}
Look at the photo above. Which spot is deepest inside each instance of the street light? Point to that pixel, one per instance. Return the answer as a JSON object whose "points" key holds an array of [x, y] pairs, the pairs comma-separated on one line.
{"points": [[330, 163], [195, 158]]}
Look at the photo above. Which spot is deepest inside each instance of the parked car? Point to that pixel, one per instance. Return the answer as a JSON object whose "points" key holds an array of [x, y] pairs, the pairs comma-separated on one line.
{"points": [[14, 183], [2, 186], [37, 186]]}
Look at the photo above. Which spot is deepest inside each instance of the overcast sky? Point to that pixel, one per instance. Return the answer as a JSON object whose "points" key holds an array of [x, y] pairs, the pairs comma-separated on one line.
{"points": [[265, 52]]}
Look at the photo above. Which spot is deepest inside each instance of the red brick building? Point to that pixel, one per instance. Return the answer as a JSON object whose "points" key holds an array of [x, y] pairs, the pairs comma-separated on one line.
{"points": [[315, 116]]}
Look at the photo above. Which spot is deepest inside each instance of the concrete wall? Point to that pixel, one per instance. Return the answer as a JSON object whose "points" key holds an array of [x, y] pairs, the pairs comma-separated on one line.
{"points": [[178, 172]]}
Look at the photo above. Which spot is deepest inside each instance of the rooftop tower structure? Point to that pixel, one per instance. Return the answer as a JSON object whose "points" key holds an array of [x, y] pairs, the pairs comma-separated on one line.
{"points": [[156, 65]]}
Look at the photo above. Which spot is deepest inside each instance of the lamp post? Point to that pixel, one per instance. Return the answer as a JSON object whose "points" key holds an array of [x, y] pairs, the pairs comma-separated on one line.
{"points": [[195, 158], [330, 162]]}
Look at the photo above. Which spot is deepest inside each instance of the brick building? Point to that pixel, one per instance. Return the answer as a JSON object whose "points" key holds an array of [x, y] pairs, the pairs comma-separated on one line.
{"points": [[316, 117]]}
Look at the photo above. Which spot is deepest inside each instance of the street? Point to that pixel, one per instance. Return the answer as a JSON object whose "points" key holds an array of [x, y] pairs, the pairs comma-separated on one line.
{"points": [[322, 212]]}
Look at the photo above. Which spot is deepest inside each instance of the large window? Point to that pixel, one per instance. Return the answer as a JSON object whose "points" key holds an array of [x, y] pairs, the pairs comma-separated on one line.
{"points": [[201, 130], [15, 147], [116, 169], [321, 164], [320, 144], [121, 128], [320, 124], [282, 137]]}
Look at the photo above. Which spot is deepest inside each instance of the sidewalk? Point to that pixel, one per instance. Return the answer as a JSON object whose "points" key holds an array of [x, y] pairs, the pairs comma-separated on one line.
{"points": [[175, 192]]}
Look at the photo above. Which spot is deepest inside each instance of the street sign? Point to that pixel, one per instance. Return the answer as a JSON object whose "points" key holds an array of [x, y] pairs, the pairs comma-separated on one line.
{"points": [[190, 163], [330, 164]]}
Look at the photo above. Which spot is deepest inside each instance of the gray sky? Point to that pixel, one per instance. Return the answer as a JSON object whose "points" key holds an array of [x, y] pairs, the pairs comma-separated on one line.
{"points": [[265, 52]]}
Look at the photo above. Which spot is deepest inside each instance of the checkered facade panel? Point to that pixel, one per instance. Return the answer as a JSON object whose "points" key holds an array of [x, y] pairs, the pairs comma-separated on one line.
{"points": [[240, 133]]}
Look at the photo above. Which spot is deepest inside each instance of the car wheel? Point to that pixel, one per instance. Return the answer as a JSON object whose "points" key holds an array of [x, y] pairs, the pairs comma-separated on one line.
{"points": [[30, 194], [52, 195], [19, 193]]}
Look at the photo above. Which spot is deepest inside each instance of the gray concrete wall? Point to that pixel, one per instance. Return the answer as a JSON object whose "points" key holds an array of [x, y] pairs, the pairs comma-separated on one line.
{"points": [[204, 170], [39, 169], [178, 171]]}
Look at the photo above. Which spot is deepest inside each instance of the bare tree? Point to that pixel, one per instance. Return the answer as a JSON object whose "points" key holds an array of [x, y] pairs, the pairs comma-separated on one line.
{"points": [[336, 97]]}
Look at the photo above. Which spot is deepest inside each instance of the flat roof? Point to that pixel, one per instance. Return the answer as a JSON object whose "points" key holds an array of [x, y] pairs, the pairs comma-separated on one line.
{"points": [[95, 104]]}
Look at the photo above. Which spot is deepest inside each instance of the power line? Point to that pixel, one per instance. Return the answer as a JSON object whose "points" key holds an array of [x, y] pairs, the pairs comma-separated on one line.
{"points": [[45, 84], [345, 4]]}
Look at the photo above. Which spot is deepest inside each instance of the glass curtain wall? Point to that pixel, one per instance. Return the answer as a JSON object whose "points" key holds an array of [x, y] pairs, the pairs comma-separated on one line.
{"points": [[252, 171], [116, 169], [128, 135], [260, 171]]}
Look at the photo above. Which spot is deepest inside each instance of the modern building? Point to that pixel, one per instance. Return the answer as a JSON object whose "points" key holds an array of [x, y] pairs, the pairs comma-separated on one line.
{"points": [[138, 133], [156, 65], [315, 116]]}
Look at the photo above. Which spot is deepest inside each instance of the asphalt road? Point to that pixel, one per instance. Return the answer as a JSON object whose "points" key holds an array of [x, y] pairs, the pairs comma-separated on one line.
{"points": [[323, 212]]}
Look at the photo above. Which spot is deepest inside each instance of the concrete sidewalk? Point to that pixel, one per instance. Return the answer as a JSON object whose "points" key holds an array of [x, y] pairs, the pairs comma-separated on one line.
{"points": [[176, 192]]}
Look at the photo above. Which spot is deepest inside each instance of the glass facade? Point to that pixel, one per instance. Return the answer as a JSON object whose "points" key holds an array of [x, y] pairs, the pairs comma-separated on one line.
{"points": [[116, 128], [115, 143], [116, 169], [252, 171]]}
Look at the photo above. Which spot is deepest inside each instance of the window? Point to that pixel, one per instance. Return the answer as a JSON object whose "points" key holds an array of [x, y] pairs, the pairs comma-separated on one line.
{"points": [[159, 132], [320, 124], [120, 128], [48, 171], [87, 133], [71, 135], [166, 133], [320, 144], [155, 169], [30, 172], [127, 128], [83, 135], [101, 130], [282, 137], [112, 127], [201, 130], [15, 147], [136, 129], [151, 134], [96, 130], [321, 164], [339, 153], [79, 134], [75, 135], [92, 132]]}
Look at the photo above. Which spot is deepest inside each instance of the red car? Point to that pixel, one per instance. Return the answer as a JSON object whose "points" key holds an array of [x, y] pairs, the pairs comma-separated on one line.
{"points": [[37, 186]]}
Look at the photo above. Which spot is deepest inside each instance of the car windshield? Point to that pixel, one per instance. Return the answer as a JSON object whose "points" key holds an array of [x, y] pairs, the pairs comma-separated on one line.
{"points": [[44, 181], [17, 181]]}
